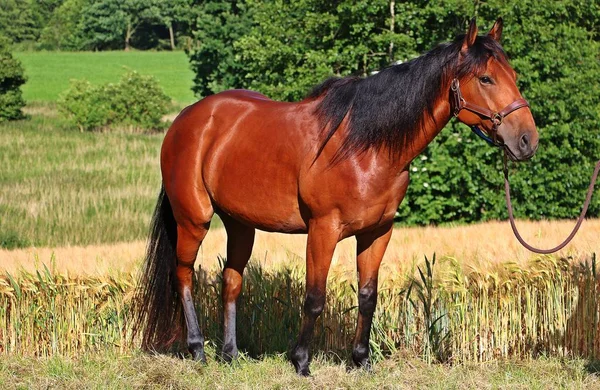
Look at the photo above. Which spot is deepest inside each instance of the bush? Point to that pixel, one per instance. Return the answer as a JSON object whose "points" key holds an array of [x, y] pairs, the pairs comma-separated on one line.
{"points": [[136, 101], [12, 76]]}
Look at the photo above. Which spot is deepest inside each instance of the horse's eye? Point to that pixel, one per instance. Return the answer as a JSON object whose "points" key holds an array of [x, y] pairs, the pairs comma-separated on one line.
{"points": [[486, 80]]}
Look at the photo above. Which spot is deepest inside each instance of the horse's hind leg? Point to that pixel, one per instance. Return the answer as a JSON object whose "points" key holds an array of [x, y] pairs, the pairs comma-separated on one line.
{"points": [[240, 239], [193, 212], [188, 242]]}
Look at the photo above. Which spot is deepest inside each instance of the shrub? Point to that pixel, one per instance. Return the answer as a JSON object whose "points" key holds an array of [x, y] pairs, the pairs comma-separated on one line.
{"points": [[12, 76], [136, 101]]}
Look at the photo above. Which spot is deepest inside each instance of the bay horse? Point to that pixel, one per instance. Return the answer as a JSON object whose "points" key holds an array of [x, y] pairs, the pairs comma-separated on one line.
{"points": [[333, 165]]}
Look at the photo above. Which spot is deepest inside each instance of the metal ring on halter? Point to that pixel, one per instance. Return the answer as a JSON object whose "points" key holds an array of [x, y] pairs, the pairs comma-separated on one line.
{"points": [[497, 119], [454, 85]]}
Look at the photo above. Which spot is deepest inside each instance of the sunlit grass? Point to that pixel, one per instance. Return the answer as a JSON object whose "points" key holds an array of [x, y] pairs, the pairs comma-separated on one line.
{"points": [[547, 308]]}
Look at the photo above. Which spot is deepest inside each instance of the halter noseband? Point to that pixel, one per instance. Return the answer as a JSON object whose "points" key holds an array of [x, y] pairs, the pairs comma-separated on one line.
{"points": [[496, 118]]}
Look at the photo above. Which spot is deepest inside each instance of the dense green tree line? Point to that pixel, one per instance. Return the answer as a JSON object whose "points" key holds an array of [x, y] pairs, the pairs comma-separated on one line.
{"points": [[282, 48], [96, 24]]}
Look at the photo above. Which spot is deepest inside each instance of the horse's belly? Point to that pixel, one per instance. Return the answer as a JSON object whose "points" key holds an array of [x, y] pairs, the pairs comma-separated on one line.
{"points": [[266, 202], [256, 183], [270, 217]]}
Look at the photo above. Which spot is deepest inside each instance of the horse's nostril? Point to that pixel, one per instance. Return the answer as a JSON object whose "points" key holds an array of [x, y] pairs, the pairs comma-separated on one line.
{"points": [[524, 141]]}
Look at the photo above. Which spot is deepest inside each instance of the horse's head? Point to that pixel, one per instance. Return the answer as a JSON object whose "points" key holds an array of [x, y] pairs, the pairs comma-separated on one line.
{"points": [[485, 96]]}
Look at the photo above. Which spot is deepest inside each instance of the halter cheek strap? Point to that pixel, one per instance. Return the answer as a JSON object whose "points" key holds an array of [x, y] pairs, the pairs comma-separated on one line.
{"points": [[496, 118]]}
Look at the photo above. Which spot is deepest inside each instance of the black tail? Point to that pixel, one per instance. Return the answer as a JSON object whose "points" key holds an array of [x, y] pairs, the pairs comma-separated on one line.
{"points": [[157, 313]]}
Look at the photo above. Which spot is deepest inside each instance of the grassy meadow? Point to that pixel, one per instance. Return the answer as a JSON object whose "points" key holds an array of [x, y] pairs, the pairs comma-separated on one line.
{"points": [[48, 73], [74, 213]]}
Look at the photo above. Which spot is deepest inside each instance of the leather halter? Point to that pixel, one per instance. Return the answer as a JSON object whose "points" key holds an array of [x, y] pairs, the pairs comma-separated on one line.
{"points": [[496, 117]]}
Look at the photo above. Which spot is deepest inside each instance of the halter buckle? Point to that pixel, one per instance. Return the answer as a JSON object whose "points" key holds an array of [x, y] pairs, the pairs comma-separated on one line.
{"points": [[459, 101], [455, 84]]}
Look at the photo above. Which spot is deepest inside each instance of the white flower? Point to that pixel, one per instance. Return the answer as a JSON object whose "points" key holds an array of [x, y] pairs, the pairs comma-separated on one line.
{"points": [[423, 158], [415, 169], [425, 185]]}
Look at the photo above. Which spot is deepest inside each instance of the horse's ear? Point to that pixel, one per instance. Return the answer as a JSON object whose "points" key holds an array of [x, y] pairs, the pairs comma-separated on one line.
{"points": [[496, 31], [470, 36]]}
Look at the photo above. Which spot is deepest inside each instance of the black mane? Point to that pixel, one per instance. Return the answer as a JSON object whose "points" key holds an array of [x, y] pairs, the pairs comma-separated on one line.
{"points": [[390, 107]]}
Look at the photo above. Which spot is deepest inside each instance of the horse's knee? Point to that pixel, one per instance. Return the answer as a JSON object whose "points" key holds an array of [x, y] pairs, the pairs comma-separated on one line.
{"points": [[367, 300], [314, 304]]}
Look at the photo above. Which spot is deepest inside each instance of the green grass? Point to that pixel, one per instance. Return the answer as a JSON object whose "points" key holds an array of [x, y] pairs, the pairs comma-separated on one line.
{"points": [[60, 186], [104, 370], [49, 73]]}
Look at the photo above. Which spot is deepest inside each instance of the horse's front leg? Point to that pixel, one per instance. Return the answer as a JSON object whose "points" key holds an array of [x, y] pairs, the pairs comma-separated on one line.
{"points": [[370, 248], [321, 242]]}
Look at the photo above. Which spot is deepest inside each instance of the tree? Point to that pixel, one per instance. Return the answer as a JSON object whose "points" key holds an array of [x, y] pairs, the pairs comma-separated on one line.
{"points": [[294, 45], [64, 30], [18, 20], [23, 20], [215, 60], [110, 24], [173, 12]]}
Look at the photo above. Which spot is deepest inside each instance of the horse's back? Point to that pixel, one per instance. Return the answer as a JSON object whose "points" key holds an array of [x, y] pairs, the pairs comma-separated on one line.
{"points": [[246, 151]]}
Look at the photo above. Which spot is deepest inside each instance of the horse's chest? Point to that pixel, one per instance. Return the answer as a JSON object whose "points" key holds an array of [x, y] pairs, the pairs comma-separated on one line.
{"points": [[358, 201], [378, 204]]}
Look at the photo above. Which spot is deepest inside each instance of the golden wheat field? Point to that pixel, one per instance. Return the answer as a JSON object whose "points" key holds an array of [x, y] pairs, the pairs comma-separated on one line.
{"points": [[480, 246], [452, 294]]}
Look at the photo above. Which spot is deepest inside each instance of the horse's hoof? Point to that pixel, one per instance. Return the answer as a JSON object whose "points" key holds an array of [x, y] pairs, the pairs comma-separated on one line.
{"points": [[361, 360], [229, 353], [302, 370], [199, 357], [364, 365], [197, 351], [299, 358]]}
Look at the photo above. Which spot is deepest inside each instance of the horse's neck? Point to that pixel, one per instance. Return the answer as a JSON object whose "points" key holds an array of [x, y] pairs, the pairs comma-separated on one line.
{"points": [[430, 129]]}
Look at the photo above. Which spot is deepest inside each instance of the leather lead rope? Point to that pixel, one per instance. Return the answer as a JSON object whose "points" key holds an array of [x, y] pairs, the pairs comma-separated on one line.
{"points": [[496, 118], [586, 204]]}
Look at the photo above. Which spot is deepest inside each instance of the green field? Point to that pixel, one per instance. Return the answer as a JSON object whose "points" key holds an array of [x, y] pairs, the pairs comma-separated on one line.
{"points": [[48, 73], [62, 187]]}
